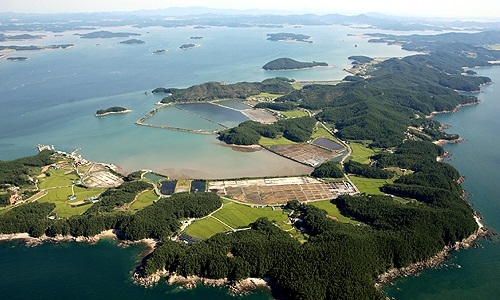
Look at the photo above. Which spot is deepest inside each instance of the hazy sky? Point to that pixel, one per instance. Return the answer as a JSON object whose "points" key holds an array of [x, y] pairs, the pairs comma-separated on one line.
{"points": [[435, 8]]}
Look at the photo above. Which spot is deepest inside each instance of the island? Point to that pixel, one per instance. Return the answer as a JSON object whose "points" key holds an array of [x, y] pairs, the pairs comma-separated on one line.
{"points": [[196, 37], [288, 37], [103, 34], [189, 46], [132, 42], [286, 63], [17, 58], [19, 37], [36, 48], [159, 51], [112, 110], [360, 59]]}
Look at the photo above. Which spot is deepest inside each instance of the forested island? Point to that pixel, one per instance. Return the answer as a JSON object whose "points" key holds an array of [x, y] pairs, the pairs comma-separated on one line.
{"points": [[188, 46], [286, 63], [103, 34], [132, 42], [159, 51], [111, 110], [288, 37], [17, 58], [19, 37]]}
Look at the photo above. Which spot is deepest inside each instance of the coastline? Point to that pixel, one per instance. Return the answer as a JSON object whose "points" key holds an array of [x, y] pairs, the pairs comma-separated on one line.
{"points": [[239, 287], [114, 112], [435, 260], [107, 234]]}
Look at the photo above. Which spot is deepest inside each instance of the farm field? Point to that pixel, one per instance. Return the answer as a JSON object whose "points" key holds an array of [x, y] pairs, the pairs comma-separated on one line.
{"points": [[144, 199], [333, 211], [294, 113], [59, 196], [360, 153], [57, 178], [369, 185], [205, 228], [268, 142], [236, 216]]}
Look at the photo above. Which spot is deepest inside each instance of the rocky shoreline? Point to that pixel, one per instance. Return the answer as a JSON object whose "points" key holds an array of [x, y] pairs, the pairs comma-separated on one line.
{"points": [[437, 259], [111, 234], [188, 282]]}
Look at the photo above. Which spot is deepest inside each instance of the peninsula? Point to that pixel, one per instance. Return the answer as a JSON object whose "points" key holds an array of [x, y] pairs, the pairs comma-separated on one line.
{"points": [[286, 63], [112, 110]]}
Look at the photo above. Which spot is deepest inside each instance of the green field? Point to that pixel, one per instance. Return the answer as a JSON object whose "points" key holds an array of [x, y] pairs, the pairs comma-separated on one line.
{"points": [[59, 196], [369, 185], [333, 211], [266, 95], [205, 228], [57, 178], [267, 142], [361, 153], [237, 216], [322, 132], [294, 113], [144, 199], [494, 47]]}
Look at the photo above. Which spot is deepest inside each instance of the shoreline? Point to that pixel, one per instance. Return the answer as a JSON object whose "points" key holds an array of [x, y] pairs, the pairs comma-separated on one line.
{"points": [[107, 234], [236, 288], [434, 261], [456, 109]]}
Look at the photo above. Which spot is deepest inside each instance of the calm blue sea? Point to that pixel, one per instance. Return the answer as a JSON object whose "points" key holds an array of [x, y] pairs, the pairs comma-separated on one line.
{"points": [[52, 98]]}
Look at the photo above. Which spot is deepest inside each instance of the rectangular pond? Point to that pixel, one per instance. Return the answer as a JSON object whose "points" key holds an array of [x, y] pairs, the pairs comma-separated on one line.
{"points": [[327, 143]]}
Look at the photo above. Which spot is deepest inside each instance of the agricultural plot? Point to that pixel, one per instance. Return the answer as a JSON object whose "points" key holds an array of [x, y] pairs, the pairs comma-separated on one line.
{"points": [[369, 185], [277, 191], [205, 228], [239, 216], [360, 153], [294, 113], [333, 211], [57, 178], [234, 216], [305, 153], [59, 196], [268, 142], [144, 199]]}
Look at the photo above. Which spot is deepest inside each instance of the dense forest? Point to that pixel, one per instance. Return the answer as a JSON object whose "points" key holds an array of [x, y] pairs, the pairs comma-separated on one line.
{"points": [[16, 172], [286, 63]]}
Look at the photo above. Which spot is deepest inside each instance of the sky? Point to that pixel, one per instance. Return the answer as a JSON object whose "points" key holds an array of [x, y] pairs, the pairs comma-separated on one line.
{"points": [[477, 9]]}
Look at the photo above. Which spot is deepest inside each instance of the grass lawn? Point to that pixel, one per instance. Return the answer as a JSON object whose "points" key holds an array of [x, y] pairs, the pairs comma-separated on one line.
{"points": [[57, 178], [321, 132], [145, 199], [333, 211], [370, 185], [360, 153], [267, 142], [59, 197], [205, 228], [239, 215], [266, 95], [294, 113]]}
